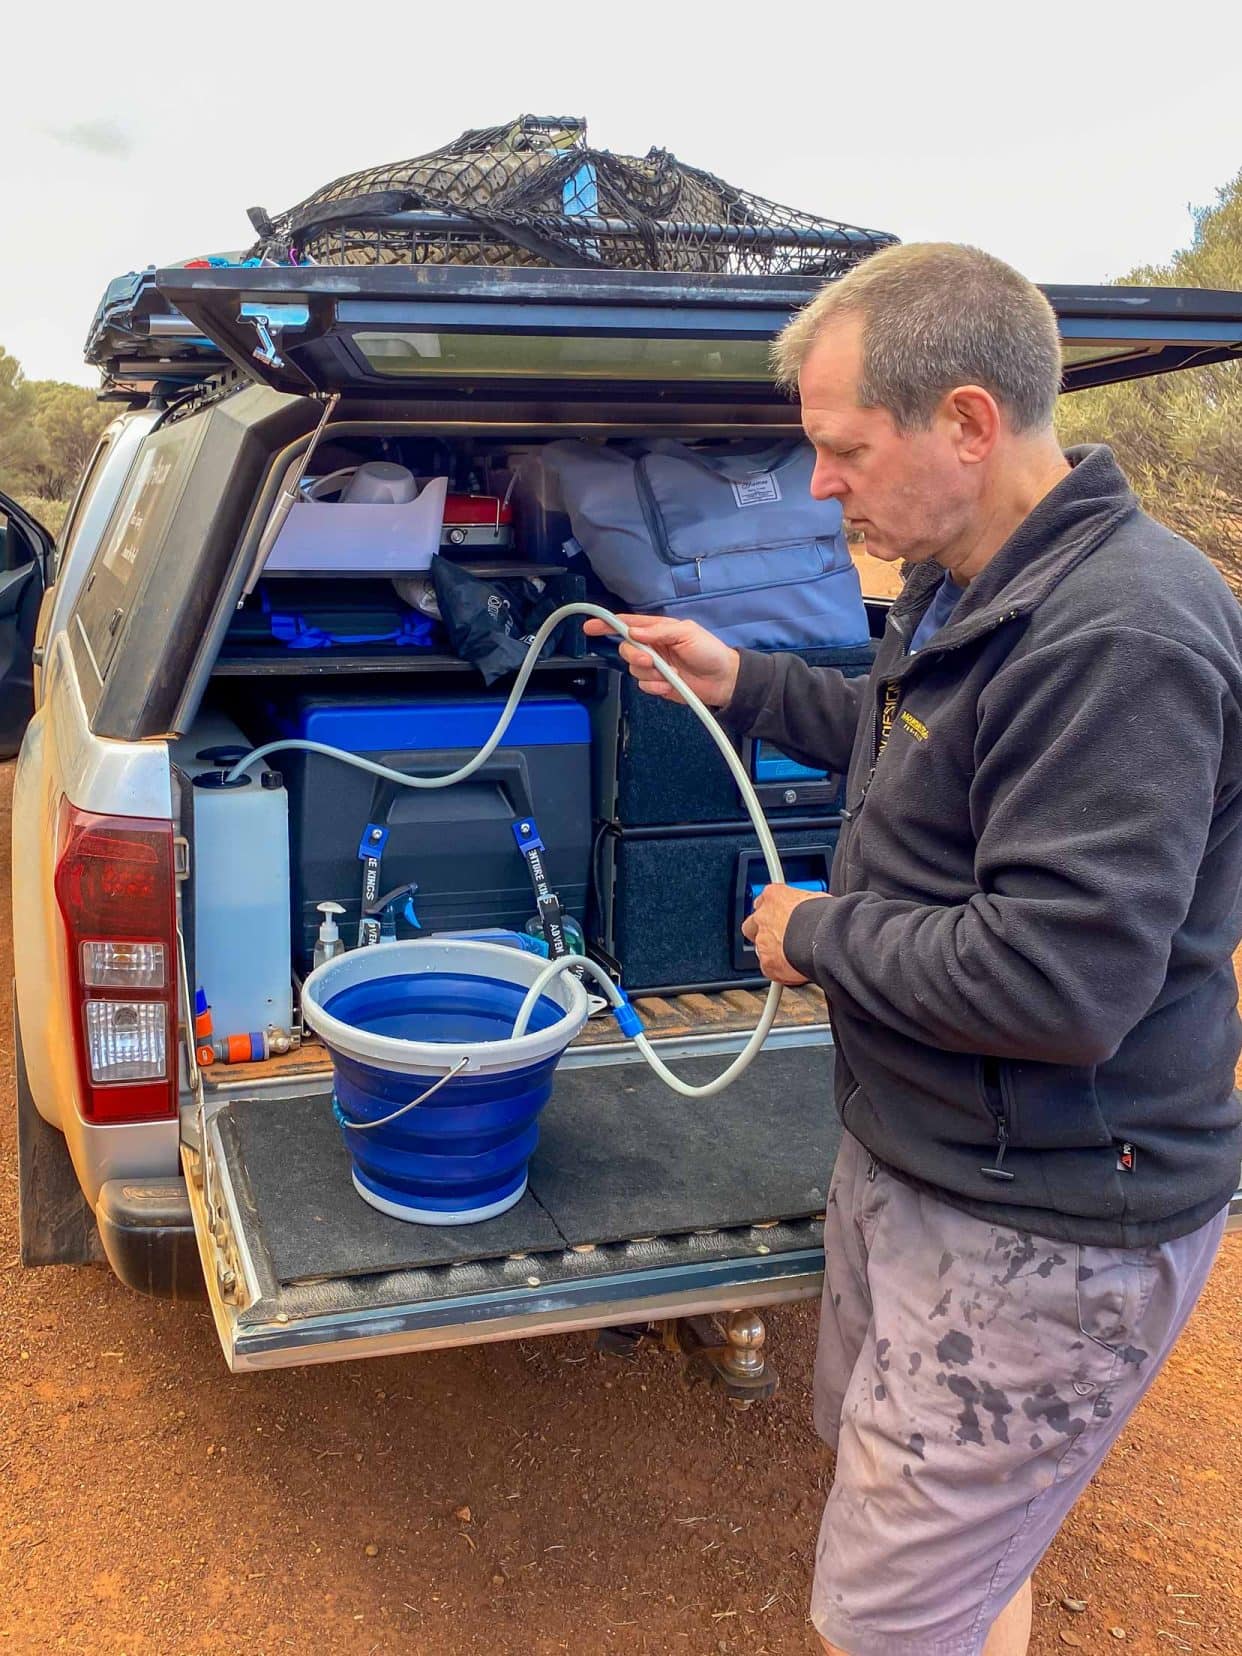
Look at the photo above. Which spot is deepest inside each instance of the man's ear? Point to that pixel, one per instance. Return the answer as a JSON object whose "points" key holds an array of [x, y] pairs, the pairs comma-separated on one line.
{"points": [[975, 419]]}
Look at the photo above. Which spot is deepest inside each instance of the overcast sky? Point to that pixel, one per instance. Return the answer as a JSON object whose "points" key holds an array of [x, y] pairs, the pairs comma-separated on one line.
{"points": [[1071, 140]]}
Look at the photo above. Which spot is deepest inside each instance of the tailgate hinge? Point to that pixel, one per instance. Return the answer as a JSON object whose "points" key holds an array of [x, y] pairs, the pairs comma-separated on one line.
{"points": [[270, 322]]}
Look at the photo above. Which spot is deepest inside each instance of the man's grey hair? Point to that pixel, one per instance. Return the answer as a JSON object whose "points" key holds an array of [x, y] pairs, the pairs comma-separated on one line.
{"points": [[936, 315]]}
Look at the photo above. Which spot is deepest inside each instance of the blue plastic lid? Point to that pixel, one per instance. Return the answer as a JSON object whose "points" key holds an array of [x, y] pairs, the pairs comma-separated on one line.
{"points": [[552, 721], [796, 885], [771, 765]]}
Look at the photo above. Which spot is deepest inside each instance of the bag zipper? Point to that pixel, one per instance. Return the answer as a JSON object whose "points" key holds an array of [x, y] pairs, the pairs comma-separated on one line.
{"points": [[653, 519], [776, 458], [699, 598]]}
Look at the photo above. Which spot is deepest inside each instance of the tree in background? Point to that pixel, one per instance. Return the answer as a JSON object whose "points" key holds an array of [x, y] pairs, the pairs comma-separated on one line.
{"points": [[70, 418], [47, 432], [1178, 436], [23, 447]]}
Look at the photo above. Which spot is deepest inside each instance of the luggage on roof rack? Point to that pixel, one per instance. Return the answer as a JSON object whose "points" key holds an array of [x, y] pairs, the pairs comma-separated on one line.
{"points": [[533, 192], [141, 344]]}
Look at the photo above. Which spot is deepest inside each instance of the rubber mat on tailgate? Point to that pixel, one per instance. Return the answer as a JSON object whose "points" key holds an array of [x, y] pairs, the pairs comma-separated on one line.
{"points": [[620, 1157]]}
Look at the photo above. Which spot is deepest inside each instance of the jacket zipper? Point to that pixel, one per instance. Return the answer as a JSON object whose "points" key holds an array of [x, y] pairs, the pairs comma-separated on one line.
{"points": [[891, 688], [990, 1078], [887, 703]]}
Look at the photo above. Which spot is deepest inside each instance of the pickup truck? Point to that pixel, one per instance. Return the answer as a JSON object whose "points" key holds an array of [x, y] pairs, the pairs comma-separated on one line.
{"points": [[230, 1180]]}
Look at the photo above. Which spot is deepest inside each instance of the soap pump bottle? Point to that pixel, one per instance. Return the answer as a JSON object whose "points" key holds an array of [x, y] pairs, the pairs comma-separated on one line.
{"points": [[328, 944]]}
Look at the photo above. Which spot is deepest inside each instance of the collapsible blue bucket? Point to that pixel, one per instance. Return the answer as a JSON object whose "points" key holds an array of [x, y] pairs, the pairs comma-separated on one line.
{"points": [[399, 1018]]}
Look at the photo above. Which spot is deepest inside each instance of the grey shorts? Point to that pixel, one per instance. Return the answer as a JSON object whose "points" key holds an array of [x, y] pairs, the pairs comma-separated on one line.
{"points": [[970, 1378]]}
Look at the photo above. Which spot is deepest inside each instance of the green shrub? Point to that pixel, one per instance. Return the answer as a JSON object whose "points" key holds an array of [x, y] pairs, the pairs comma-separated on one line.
{"points": [[50, 513], [1178, 436]]}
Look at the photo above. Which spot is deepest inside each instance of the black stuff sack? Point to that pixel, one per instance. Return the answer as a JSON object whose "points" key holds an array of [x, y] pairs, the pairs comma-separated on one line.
{"points": [[491, 622]]}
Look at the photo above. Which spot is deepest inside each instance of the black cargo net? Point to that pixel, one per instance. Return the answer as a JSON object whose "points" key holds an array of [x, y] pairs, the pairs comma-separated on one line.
{"points": [[534, 193]]}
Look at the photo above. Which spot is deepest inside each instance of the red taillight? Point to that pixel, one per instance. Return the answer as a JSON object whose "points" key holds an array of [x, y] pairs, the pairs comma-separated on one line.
{"points": [[116, 891]]}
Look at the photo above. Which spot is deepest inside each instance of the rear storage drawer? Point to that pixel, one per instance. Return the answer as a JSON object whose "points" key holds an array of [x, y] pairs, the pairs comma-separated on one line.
{"points": [[668, 771], [672, 901]]}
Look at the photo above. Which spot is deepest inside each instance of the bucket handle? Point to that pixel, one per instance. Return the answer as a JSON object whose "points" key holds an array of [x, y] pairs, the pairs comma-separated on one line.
{"points": [[366, 1126]]}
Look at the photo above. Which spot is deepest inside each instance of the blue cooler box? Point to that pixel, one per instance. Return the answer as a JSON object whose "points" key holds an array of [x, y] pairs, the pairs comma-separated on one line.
{"points": [[457, 842]]}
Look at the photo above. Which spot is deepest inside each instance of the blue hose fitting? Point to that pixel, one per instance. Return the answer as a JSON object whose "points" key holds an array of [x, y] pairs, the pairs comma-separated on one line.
{"points": [[628, 1021]]}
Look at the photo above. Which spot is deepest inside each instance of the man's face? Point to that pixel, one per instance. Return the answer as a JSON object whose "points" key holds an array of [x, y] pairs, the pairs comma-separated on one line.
{"points": [[909, 492]]}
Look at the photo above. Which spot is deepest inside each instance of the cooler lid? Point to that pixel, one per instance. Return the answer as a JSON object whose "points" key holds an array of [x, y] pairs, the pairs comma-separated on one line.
{"points": [[441, 725]]}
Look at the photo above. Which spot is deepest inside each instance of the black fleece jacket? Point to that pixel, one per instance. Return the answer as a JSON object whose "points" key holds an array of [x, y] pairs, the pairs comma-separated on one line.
{"points": [[1038, 887]]}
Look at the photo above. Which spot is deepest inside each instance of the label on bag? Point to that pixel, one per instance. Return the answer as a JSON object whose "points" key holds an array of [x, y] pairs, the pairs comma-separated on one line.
{"points": [[760, 490]]}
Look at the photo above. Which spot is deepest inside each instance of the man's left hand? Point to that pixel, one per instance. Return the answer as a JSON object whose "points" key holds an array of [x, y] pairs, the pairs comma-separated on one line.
{"points": [[765, 928]]}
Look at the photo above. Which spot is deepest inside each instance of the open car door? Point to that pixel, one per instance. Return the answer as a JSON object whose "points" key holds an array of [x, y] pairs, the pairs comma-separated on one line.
{"points": [[25, 560]]}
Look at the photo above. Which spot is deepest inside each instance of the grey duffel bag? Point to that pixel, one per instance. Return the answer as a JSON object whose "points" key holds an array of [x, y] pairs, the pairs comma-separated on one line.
{"points": [[727, 536]]}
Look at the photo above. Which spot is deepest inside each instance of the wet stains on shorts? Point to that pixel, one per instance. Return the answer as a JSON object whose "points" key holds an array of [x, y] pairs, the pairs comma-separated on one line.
{"points": [[975, 1397], [956, 1348], [1046, 1405], [970, 1378]]}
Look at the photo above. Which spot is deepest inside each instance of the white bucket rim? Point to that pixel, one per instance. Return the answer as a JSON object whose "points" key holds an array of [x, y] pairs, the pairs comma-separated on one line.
{"points": [[412, 1214], [432, 956]]}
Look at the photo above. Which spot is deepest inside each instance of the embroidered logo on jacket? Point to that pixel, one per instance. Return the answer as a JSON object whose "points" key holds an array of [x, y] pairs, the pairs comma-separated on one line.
{"points": [[916, 727], [888, 714]]}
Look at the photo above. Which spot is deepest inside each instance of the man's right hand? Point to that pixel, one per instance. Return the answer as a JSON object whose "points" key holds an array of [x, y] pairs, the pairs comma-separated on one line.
{"points": [[709, 667]]}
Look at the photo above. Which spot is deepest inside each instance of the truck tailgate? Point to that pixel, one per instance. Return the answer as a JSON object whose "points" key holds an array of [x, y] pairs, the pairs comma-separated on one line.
{"points": [[641, 1204]]}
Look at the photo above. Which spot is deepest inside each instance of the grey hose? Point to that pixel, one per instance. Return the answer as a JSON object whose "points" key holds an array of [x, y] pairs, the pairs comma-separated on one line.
{"points": [[771, 856]]}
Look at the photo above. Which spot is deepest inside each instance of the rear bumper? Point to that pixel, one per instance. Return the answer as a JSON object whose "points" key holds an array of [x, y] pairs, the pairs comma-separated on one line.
{"points": [[259, 1342], [147, 1232]]}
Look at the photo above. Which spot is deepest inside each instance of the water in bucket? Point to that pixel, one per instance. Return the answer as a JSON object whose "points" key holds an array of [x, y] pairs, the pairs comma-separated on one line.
{"points": [[400, 1017]]}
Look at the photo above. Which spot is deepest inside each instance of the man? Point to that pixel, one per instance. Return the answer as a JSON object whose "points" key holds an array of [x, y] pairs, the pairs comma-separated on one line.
{"points": [[1026, 949]]}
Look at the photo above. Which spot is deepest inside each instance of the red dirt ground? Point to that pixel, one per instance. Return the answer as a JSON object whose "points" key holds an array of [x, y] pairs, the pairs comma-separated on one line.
{"points": [[523, 1499]]}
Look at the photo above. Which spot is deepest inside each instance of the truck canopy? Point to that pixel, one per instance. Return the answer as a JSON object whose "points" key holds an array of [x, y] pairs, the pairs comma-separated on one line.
{"points": [[414, 332]]}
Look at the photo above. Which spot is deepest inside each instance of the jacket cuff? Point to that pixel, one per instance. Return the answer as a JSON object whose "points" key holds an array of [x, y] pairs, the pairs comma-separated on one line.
{"points": [[799, 940], [755, 677]]}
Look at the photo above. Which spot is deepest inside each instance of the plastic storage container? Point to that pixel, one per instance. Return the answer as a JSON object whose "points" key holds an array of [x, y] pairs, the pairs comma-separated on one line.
{"points": [[240, 870], [350, 538]]}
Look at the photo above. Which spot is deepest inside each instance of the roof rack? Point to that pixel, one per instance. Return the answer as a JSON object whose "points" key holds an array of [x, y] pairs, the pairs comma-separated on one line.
{"points": [[143, 346], [533, 192]]}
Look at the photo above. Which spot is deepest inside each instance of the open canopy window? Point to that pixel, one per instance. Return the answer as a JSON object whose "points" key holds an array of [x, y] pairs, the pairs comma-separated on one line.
{"points": [[469, 356], [416, 331]]}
